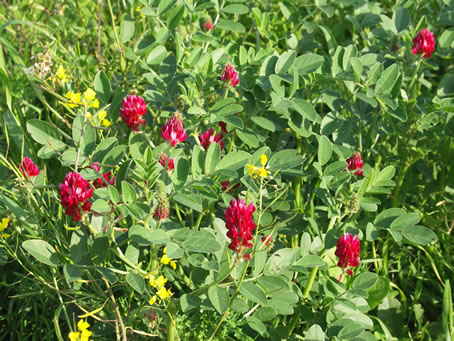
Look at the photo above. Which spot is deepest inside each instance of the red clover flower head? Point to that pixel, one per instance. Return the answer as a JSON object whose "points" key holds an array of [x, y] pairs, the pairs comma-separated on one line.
{"points": [[240, 224], [424, 43], [74, 193], [99, 183], [210, 137], [173, 130], [208, 25], [27, 166], [163, 159], [134, 108], [230, 75], [355, 162], [348, 248]]}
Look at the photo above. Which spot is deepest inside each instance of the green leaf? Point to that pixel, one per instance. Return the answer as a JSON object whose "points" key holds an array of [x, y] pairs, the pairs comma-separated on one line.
{"points": [[103, 148], [101, 206], [280, 261], [304, 108], [197, 162], [174, 17], [234, 160], [387, 80], [230, 26], [285, 159], [128, 193], [190, 200], [114, 195], [378, 292], [253, 292], [265, 313], [188, 302], [157, 55], [219, 298], [308, 261], [42, 251], [144, 237], [264, 123], [315, 333], [174, 251], [99, 248], [385, 218], [325, 150], [195, 56], [401, 19], [43, 132], [180, 173], [335, 167], [350, 331], [256, 325], [102, 86], [285, 62], [136, 282], [419, 234], [127, 28], [212, 157], [201, 244], [404, 221], [248, 137], [365, 280], [236, 9], [71, 272], [308, 63]]}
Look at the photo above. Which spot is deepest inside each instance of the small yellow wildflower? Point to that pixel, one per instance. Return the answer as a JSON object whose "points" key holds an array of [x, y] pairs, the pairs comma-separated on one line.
{"points": [[94, 104], [263, 172], [161, 281], [250, 170], [89, 116], [74, 99], [152, 282], [164, 293], [5, 235], [138, 9], [263, 159], [61, 74], [106, 123], [74, 336], [166, 260], [89, 95], [102, 115], [4, 224], [83, 325], [85, 335], [152, 300]]}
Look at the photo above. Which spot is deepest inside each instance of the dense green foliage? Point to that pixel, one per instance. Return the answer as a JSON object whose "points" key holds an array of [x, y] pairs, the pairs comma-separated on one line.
{"points": [[318, 81]]}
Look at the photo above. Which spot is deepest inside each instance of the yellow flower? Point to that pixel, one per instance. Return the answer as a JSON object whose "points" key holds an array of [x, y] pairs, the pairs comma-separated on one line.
{"points": [[263, 159], [106, 123], [4, 224], [152, 300], [165, 260], [61, 74], [153, 282], [161, 281], [138, 9], [250, 169], [164, 293], [74, 99], [85, 335], [74, 336], [89, 95], [102, 115], [83, 325], [5, 235], [94, 104], [263, 172], [173, 264], [89, 116]]}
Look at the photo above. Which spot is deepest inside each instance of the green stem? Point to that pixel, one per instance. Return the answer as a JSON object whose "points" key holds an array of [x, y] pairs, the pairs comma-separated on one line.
{"points": [[413, 79], [400, 180], [171, 327], [199, 220], [122, 66], [177, 210]]}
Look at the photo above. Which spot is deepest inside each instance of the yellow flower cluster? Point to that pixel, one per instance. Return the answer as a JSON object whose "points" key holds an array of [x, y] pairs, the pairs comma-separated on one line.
{"points": [[62, 75], [258, 171], [3, 225], [166, 260], [159, 284], [83, 334], [101, 116], [75, 99]]}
